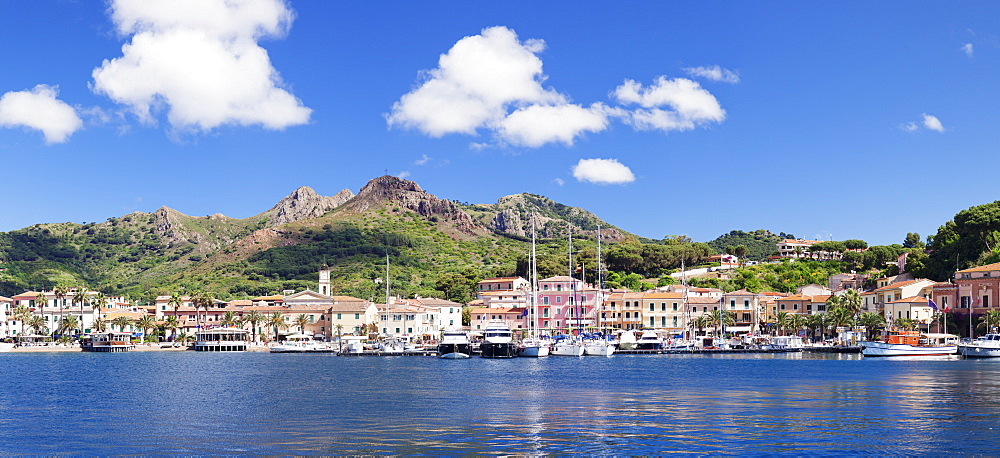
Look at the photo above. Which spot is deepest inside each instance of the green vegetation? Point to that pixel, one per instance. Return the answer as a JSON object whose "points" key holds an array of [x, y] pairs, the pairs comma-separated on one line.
{"points": [[759, 244]]}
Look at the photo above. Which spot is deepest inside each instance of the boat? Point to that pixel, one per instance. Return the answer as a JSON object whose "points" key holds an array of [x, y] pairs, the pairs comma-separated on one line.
{"points": [[221, 339], [301, 343], [677, 343], [648, 340], [987, 346], [109, 342], [533, 346], [454, 345], [6, 346], [497, 341], [391, 345], [911, 343], [626, 340], [565, 346], [598, 346]]}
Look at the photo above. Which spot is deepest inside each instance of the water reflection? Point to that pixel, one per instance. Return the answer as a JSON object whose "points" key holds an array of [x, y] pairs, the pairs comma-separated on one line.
{"points": [[189, 403]]}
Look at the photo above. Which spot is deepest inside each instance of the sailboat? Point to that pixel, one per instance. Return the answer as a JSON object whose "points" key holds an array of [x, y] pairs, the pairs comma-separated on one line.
{"points": [[569, 346], [533, 346], [389, 343], [598, 346]]}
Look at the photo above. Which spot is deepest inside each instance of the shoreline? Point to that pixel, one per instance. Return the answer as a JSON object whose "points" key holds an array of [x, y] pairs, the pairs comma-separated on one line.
{"points": [[138, 347]]}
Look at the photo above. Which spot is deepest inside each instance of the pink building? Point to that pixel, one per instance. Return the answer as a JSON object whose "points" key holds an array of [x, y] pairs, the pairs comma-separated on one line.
{"points": [[565, 304]]}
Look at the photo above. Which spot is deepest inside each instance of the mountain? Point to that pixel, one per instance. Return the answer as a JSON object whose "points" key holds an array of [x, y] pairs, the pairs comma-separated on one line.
{"points": [[434, 246]]}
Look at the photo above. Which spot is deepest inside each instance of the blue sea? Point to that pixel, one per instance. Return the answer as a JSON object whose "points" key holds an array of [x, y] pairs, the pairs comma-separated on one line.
{"points": [[277, 404]]}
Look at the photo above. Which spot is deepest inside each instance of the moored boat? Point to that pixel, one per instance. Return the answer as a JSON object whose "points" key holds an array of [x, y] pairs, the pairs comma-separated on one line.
{"points": [[301, 343], [987, 346], [911, 343], [648, 340], [497, 341], [109, 342], [454, 345], [564, 346]]}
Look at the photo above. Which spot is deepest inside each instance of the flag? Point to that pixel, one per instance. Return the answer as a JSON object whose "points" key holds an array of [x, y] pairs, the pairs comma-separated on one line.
{"points": [[524, 313], [931, 304]]}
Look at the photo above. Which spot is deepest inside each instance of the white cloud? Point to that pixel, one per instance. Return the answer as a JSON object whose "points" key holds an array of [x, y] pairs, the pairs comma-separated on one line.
{"points": [[714, 73], [200, 61], [559, 181], [536, 125], [690, 105], [909, 127], [967, 49], [602, 171], [494, 81], [933, 123], [424, 159], [404, 174], [39, 109]]}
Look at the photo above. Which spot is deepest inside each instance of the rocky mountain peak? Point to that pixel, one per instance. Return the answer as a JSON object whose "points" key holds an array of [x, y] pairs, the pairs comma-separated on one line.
{"points": [[305, 203], [409, 195]]}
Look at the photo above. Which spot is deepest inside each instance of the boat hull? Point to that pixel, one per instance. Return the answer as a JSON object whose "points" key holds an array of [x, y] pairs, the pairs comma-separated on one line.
{"points": [[454, 351], [598, 350], [533, 351], [498, 350], [887, 349], [976, 351], [567, 350]]}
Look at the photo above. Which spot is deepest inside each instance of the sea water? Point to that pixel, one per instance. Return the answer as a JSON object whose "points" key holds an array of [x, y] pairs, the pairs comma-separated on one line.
{"points": [[260, 403]]}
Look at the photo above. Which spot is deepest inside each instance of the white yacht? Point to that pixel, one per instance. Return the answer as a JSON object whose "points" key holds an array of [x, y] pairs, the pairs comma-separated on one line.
{"points": [[497, 341], [454, 345], [987, 346], [598, 347], [911, 343], [648, 340], [301, 343], [567, 347]]}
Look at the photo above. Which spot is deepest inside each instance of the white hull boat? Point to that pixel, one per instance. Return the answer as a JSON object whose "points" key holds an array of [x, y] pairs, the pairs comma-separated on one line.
{"points": [[567, 349], [987, 346], [909, 343], [598, 349]]}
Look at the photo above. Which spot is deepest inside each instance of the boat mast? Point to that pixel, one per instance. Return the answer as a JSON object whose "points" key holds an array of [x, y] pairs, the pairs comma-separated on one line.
{"points": [[687, 306], [534, 281], [569, 231], [599, 296]]}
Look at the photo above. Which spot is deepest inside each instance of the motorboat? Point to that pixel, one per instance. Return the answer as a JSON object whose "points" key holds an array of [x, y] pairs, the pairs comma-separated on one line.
{"points": [[987, 346], [533, 348], [911, 343], [598, 347], [301, 343], [648, 340], [391, 345], [626, 340], [678, 344], [498, 341], [454, 345]]}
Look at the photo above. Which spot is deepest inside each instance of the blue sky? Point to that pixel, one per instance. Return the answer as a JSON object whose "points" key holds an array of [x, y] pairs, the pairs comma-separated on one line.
{"points": [[822, 119]]}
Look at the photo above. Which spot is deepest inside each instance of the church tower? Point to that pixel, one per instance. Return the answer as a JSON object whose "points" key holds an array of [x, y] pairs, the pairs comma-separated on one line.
{"points": [[324, 280]]}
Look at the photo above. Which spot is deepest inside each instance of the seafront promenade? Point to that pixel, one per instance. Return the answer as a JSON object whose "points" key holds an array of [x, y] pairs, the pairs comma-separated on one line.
{"points": [[138, 347]]}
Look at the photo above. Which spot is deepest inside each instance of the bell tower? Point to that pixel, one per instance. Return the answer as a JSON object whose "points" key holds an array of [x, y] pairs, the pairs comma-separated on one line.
{"points": [[324, 280]]}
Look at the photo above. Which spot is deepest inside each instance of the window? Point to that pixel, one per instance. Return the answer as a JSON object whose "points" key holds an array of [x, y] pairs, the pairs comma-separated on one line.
{"points": [[675, 321], [746, 304], [357, 316], [558, 300], [663, 307], [986, 301], [558, 287], [612, 305], [965, 302], [338, 316], [732, 304], [675, 306], [663, 321], [545, 300], [795, 306], [782, 306], [652, 322], [545, 313], [651, 306]]}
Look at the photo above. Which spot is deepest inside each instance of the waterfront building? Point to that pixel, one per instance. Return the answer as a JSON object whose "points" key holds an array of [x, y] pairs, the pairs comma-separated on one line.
{"points": [[911, 308], [978, 288], [503, 298], [11, 326], [54, 308], [502, 284], [567, 304], [746, 309], [876, 299], [420, 316], [514, 318], [663, 311]]}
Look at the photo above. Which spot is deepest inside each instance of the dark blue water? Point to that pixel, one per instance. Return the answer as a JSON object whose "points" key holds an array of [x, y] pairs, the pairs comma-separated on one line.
{"points": [[260, 403]]}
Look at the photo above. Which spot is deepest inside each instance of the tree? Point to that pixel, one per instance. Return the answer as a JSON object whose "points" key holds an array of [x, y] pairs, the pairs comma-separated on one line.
{"points": [[146, 323], [22, 314], [740, 251], [183, 338], [301, 320], [202, 300], [701, 323], [230, 319], [340, 341], [99, 324], [816, 322], [912, 240], [80, 297], [872, 323], [782, 321], [37, 324], [176, 301], [172, 324], [121, 322], [277, 320], [716, 319], [855, 244], [99, 301], [254, 318], [67, 326], [989, 320], [60, 292]]}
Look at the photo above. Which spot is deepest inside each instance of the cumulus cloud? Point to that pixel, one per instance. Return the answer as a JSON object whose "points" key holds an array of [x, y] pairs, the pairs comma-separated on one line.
{"points": [[424, 159], [909, 127], [494, 81], [687, 104], [39, 109], [714, 73], [933, 123], [602, 171], [403, 174], [967, 49], [200, 61]]}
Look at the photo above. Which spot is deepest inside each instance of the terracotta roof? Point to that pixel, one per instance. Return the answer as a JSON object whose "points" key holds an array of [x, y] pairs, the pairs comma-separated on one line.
{"points": [[703, 300], [663, 296], [268, 298], [896, 285], [517, 310], [558, 278], [347, 299], [742, 292], [912, 299], [986, 268], [5, 299], [499, 279]]}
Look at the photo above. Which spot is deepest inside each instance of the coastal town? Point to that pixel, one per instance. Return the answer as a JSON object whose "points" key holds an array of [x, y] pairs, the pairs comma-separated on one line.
{"points": [[556, 306]]}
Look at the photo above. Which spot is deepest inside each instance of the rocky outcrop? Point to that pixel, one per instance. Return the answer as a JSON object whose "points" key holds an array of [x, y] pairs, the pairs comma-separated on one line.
{"points": [[305, 203], [512, 215], [410, 196]]}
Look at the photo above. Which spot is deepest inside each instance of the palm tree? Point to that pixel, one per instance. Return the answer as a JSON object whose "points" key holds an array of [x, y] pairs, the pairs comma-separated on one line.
{"points": [[202, 300], [99, 324], [97, 303], [36, 323], [840, 316], [121, 322], [60, 291], [851, 300], [183, 337], [906, 323], [797, 322], [145, 323], [816, 322], [781, 321], [301, 321], [176, 301], [989, 318], [701, 323], [171, 323], [277, 320], [230, 319], [254, 318], [68, 325], [22, 314], [80, 297], [872, 322], [717, 316], [340, 342]]}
